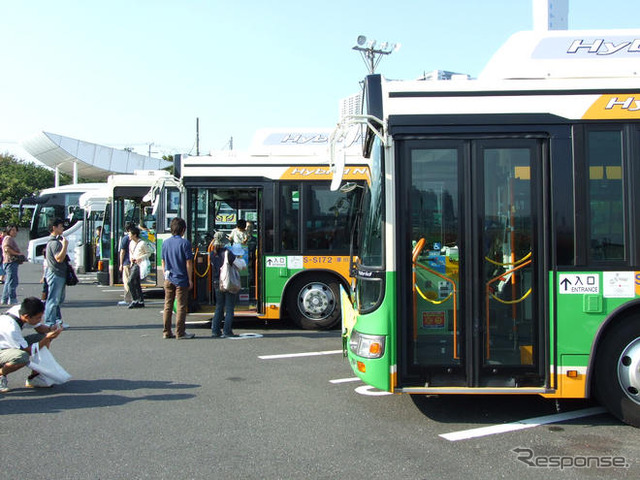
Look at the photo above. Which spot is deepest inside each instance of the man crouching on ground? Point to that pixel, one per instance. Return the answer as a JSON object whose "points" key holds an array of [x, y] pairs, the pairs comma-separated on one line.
{"points": [[15, 349]]}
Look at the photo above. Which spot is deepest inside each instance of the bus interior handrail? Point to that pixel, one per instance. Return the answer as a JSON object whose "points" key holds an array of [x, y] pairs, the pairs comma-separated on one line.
{"points": [[454, 293]]}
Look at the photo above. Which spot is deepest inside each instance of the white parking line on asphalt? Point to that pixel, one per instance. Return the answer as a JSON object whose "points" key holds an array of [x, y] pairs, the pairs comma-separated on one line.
{"points": [[370, 391], [345, 380], [293, 355], [522, 424]]}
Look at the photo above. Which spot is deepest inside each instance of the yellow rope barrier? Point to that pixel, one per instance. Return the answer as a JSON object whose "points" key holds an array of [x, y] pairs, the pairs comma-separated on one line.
{"points": [[434, 302], [195, 270], [511, 302]]}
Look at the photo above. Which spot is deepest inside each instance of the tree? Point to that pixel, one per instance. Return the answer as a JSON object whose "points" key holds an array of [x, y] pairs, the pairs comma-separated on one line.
{"points": [[18, 180], [168, 158]]}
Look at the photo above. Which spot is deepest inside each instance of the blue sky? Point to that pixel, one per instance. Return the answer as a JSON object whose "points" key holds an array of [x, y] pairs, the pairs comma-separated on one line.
{"points": [[132, 72]]}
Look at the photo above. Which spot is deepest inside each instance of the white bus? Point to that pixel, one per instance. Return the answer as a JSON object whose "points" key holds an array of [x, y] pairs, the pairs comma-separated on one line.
{"points": [[58, 202], [149, 199]]}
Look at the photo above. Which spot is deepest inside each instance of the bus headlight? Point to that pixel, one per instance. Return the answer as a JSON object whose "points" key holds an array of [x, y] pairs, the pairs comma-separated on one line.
{"points": [[366, 346]]}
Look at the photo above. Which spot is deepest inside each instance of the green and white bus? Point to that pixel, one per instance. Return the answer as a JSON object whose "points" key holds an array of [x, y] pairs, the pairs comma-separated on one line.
{"points": [[298, 247], [499, 240]]}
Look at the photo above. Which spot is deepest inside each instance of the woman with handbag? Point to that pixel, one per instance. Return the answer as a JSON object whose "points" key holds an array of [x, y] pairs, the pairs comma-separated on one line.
{"points": [[11, 256], [225, 270], [139, 254]]}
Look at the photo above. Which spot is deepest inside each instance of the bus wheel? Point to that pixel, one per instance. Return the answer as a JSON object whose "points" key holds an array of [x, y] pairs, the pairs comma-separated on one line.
{"points": [[314, 302], [618, 372]]}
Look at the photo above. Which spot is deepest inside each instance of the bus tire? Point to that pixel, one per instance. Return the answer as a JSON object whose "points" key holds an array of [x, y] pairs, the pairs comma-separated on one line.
{"points": [[617, 372], [313, 302]]}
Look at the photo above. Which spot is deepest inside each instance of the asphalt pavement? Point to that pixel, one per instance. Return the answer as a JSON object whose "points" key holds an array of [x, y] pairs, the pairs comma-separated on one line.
{"points": [[140, 406]]}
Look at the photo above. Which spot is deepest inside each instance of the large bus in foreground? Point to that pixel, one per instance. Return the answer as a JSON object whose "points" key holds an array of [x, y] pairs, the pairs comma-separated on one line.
{"points": [[499, 240], [298, 246]]}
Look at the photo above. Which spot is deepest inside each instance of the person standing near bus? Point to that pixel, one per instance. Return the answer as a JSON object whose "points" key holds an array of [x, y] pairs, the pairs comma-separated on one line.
{"points": [[225, 301], [252, 247], [138, 255], [177, 265], [97, 251], [125, 266], [56, 272], [1, 259], [10, 252]]}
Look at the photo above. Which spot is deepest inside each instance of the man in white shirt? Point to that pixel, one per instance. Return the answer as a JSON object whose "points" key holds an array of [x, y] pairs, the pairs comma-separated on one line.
{"points": [[15, 348]]}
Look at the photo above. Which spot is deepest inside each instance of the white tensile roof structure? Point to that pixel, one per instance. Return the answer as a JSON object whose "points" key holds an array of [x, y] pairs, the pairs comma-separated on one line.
{"points": [[86, 160]]}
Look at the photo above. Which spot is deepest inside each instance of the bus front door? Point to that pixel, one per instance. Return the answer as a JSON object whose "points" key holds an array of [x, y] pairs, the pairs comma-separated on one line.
{"points": [[218, 209], [476, 293]]}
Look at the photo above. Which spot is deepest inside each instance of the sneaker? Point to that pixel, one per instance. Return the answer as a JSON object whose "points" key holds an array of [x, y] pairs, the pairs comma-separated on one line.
{"points": [[231, 335], [186, 336], [122, 303], [136, 305], [37, 382], [216, 335], [4, 384], [168, 335]]}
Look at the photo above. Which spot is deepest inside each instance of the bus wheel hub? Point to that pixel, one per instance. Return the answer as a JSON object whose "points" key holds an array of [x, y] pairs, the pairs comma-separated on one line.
{"points": [[629, 370], [316, 299]]}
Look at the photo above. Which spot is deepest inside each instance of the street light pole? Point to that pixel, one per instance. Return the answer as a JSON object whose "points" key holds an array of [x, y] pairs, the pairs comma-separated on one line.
{"points": [[372, 55]]}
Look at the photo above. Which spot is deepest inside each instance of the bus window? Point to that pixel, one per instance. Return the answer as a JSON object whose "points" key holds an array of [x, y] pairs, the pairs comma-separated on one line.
{"points": [[326, 214], [172, 209], [604, 153], [149, 219], [289, 217]]}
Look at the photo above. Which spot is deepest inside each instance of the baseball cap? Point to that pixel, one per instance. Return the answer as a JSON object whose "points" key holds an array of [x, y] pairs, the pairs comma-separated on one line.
{"points": [[219, 238]]}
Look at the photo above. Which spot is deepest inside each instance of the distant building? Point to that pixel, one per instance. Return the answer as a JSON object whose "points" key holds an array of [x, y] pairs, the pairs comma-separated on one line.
{"points": [[443, 75]]}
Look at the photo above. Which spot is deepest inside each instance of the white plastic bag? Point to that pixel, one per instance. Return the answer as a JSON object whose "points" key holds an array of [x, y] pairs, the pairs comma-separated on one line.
{"points": [[141, 254], [229, 276], [50, 371], [145, 268]]}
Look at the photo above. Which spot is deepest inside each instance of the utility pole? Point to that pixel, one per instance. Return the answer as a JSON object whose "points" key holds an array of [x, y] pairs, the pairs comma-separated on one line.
{"points": [[197, 136]]}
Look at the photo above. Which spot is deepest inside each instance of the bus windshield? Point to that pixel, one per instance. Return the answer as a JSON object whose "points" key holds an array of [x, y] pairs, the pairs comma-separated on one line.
{"points": [[369, 285], [372, 214], [59, 205]]}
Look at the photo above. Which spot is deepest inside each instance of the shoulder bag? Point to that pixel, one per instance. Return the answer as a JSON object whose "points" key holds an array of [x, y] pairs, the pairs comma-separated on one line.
{"points": [[72, 278], [229, 276]]}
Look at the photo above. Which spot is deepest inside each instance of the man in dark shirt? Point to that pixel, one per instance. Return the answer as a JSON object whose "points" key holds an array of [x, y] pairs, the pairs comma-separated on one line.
{"points": [[177, 264]]}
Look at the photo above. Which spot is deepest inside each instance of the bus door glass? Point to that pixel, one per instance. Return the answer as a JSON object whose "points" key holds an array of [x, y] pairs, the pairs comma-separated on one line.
{"points": [[219, 209], [130, 209], [171, 207], [473, 263], [93, 238]]}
